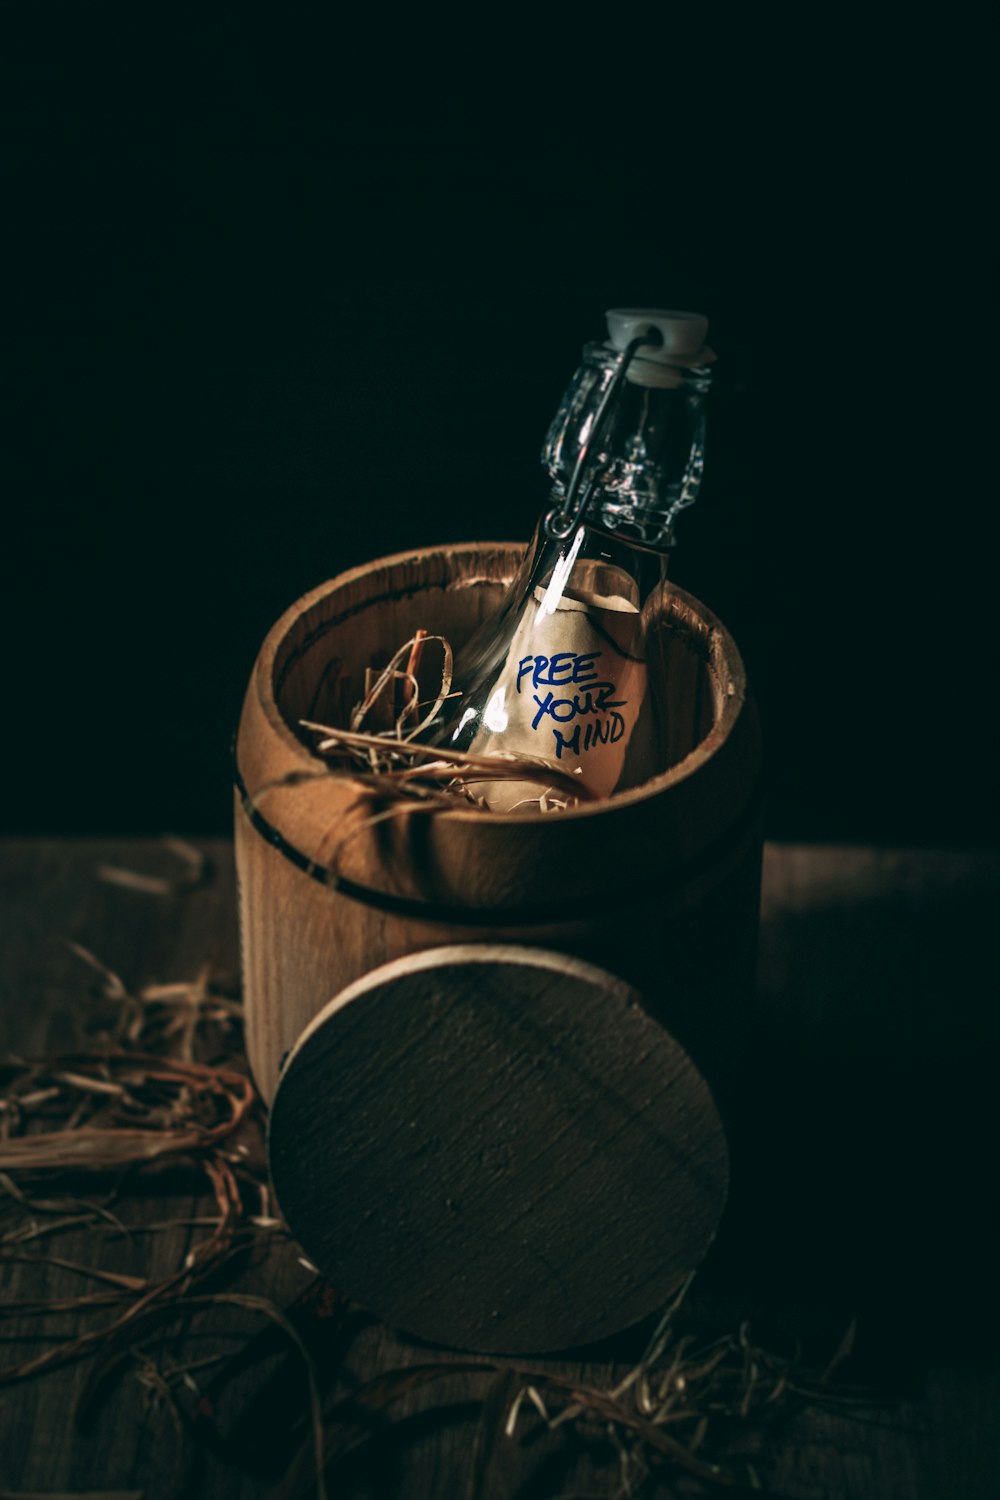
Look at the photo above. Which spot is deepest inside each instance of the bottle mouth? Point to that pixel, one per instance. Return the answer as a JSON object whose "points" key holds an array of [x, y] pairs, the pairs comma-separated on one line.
{"points": [[675, 340], [659, 369], [670, 330]]}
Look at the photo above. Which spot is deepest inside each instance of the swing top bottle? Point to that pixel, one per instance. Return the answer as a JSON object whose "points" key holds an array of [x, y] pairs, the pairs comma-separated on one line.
{"points": [[560, 671]]}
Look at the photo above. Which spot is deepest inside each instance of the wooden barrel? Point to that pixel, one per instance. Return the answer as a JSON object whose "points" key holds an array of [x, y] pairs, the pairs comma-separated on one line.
{"points": [[493, 1043], [658, 885]]}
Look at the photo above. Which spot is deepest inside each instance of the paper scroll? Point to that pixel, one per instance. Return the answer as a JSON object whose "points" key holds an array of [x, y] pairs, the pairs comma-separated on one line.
{"points": [[571, 690]]}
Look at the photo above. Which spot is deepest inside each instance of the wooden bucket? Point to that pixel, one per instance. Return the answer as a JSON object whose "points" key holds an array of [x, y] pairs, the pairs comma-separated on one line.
{"points": [[658, 886]]}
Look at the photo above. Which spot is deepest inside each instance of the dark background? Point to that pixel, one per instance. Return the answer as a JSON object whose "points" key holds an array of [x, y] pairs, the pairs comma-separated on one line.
{"points": [[284, 296]]}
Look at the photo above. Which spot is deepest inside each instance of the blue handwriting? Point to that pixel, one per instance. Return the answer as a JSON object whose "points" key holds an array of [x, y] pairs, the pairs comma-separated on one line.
{"points": [[571, 669]]}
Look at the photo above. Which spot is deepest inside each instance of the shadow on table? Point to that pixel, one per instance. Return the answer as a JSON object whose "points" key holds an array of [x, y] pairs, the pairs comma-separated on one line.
{"points": [[865, 1146]]}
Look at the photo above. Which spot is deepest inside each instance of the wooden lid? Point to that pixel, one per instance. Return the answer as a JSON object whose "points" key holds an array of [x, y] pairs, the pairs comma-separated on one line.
{"points": [[498, 1149]]}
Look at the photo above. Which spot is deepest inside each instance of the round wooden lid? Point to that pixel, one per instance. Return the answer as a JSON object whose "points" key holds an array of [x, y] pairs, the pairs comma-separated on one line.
{"points": [[498, 1149]]}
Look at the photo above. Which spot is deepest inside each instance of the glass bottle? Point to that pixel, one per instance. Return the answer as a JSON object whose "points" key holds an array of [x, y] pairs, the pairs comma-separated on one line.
{"points": [[560, 671]]}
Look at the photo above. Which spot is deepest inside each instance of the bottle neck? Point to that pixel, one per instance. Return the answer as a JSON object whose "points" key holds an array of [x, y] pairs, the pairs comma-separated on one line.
{"points": [[592, 564], [645, 463]]}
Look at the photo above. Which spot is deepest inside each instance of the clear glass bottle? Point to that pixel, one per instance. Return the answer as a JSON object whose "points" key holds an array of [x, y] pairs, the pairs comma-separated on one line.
{"points": [[560, 671]]}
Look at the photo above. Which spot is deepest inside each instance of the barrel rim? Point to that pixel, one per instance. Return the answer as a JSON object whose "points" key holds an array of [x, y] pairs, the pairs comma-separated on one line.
{"points": [[265, 677]]}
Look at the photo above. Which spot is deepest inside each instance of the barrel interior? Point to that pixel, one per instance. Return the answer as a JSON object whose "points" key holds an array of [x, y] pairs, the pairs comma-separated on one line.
{"points": [[688, 675], [319, 669]]}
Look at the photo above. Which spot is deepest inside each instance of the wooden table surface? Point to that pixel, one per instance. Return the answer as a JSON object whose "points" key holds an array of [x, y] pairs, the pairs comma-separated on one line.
{"points": [[865, 1168]]}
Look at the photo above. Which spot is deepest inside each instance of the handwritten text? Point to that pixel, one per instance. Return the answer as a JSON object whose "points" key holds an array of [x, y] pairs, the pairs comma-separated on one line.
{"points": [[594, 700]]}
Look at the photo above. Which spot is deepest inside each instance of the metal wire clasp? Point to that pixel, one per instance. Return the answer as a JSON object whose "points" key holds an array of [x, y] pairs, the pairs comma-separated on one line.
{"points": [[560, 524]]}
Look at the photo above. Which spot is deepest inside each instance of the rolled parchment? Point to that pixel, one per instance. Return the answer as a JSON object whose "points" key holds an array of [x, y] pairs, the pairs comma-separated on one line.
{"points": [[571, 690]]}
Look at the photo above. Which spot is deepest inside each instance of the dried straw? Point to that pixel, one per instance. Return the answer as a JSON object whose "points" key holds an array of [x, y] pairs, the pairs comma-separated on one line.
{"points": [[404, 762], [175, 1129], [192, 873], [392, 763], [719, 1399], [165, 1082], [413, 651]]}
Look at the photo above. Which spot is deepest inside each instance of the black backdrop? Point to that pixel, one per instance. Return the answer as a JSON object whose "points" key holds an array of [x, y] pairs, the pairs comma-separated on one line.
{"points": [[285, 296]]}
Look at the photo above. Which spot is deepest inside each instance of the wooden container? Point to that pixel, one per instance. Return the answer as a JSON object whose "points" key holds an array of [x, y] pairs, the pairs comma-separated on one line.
{"points": [[658, 885]]}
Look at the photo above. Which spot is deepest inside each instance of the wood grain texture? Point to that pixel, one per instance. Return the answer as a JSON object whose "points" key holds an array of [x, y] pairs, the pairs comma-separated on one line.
{"points": [[498, 1149], [659, 884], [876, 1002]]}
